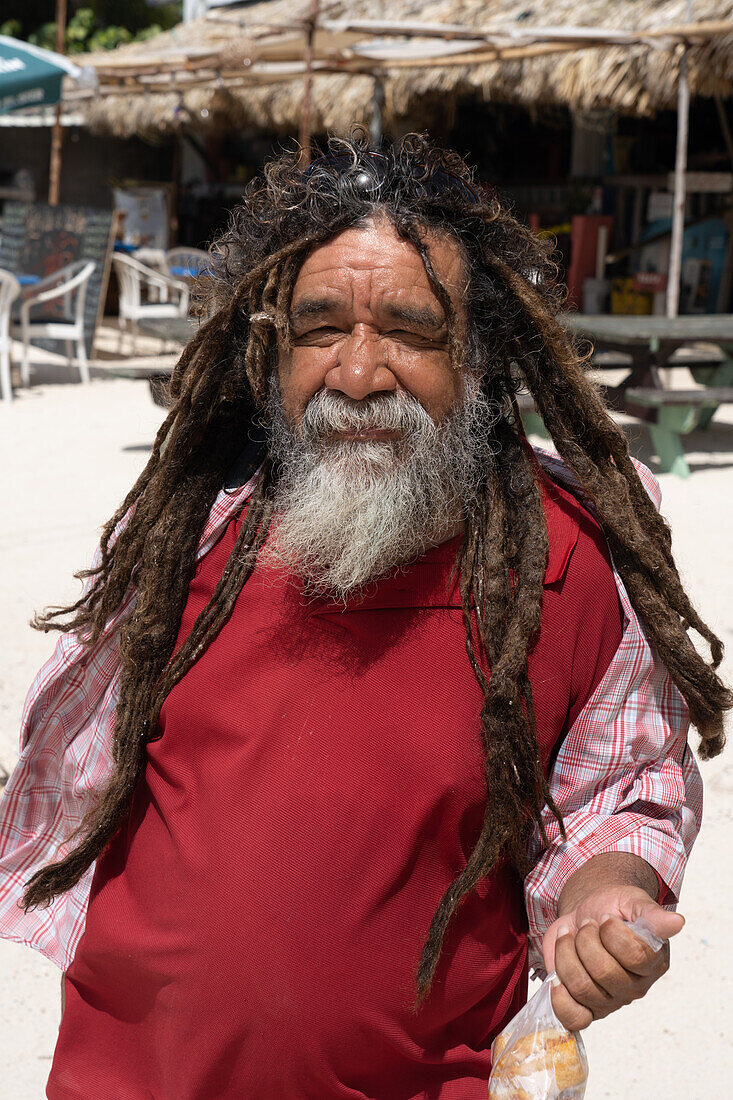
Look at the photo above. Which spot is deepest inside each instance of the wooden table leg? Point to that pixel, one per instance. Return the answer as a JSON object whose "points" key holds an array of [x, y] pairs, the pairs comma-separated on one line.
{"points": [[644, 373]]}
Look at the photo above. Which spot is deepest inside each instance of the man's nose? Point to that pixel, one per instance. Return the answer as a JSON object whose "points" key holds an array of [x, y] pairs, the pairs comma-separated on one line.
{"points": [[362, 366]]}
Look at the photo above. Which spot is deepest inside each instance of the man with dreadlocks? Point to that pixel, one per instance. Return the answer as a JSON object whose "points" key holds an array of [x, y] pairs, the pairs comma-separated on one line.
{"points": [[364, 698]]}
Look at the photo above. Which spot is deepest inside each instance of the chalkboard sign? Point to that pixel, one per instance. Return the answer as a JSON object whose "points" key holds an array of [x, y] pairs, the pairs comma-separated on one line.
{"points": [[38, 240]]}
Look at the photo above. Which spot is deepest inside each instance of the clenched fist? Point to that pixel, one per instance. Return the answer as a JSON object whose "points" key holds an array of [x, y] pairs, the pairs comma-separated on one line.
{"points": [[600, 963]]}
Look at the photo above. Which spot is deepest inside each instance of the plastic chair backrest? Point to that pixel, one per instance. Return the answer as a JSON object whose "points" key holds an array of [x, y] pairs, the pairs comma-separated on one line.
{"points": [[186, 262], [68, 306], [129, 276], [9, 291]]}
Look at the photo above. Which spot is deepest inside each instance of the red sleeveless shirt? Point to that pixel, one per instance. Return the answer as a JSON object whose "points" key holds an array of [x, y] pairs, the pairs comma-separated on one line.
{"points": [[253, 931]]}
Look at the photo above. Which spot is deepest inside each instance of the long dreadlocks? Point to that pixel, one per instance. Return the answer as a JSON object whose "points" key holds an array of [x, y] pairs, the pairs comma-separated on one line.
{"points": [[220, 384]]}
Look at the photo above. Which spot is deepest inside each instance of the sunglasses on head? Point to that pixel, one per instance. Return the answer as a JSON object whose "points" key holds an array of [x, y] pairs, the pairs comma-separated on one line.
{"points": [[433, 181]]}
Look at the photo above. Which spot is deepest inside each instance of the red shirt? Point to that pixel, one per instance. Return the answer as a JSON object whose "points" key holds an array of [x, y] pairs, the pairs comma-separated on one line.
{"points": [[254, 930]]}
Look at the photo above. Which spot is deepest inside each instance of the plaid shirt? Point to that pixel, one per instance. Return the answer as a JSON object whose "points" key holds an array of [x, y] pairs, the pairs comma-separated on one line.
{"points": [[624, 779]]}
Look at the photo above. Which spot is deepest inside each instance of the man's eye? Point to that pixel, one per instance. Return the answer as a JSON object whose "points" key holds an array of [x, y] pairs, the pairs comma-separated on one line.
{"points": [[323, 330], [413, 337]]}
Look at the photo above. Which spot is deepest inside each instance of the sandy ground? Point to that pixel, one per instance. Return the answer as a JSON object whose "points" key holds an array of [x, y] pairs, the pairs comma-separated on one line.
{"points": [[68, 453]]}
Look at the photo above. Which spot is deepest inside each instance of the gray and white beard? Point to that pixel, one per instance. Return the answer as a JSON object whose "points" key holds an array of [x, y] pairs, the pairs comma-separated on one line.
{"points": [[347, 512]]}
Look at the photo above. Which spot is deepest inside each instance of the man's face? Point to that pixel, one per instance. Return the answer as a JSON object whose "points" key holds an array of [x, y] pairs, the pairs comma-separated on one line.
{"points": [[365, 321], [379, 440]]}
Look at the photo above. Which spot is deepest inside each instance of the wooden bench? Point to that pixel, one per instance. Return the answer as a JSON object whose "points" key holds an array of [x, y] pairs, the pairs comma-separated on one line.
{"points": [[158, 378], [707, 358], [678, 412]]}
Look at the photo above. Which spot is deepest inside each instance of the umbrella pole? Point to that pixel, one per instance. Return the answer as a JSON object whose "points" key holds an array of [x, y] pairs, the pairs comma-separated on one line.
{"points": [[680, 169], [304, 135], [57, 135]]}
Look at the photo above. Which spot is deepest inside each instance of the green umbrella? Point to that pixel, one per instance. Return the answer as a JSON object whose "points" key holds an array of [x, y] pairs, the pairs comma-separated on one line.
{"points": [[30, 76]]}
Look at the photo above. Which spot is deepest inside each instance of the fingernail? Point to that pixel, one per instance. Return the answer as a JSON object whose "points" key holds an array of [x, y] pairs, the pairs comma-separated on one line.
{"points": [[563, 930], [586, 920], [605, 917]]}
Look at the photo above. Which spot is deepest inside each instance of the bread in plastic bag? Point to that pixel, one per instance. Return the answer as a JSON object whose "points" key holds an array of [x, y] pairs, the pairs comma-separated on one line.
{"points": [[536, 1057]]}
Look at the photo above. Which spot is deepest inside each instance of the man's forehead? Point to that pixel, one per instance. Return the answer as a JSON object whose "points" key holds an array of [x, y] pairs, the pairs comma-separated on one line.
{"points": [[374, 259]]}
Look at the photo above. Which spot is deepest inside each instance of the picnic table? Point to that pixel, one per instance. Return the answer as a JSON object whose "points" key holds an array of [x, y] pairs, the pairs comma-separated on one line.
{"points": [[653, 343], [176, 329]]}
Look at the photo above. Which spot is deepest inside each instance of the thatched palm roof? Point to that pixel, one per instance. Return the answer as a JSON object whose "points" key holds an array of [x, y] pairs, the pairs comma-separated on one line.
{"points": [[631, 78]]}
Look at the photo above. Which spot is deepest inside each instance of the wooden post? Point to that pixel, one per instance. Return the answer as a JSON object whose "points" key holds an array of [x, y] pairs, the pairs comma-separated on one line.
{"points": [[176, 190], [304, 135], [680, 168], [375, 125], [724, 126], [57, 135]]}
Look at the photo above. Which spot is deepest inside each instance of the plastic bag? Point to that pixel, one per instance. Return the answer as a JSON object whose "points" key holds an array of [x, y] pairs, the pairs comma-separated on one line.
{"points": [[536, 1057]]}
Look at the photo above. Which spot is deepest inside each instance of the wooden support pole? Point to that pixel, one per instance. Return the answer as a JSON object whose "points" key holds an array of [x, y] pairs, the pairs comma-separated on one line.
{"points": [[725, 127], [680, 190], [57, 135], [375, 124], [306, 110]]}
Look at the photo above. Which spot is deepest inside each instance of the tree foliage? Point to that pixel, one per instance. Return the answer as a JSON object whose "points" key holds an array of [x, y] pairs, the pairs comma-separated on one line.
{"points": [[93, 24]]}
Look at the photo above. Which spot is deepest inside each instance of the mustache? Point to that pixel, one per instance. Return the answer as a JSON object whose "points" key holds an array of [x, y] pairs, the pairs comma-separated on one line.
{"points": [[330, 411]]}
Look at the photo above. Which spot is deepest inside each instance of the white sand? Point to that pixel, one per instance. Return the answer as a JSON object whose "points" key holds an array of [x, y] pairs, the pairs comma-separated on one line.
{"points": [[68, 453]]}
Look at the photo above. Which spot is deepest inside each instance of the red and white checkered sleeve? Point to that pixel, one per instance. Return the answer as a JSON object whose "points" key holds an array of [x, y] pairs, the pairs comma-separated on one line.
{"points": [[66, 755], [625, 779]]}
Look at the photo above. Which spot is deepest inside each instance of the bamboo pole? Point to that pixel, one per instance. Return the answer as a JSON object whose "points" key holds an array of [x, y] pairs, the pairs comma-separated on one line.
{"points": [[57, 134], [685, 32], [304, 136], [682, 32], [680, 168], [375, 124]]}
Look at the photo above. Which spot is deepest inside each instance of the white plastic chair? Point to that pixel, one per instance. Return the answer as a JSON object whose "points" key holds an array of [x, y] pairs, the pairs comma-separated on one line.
{"points": [[155, 258], [9, 291], [194, 266], [186, 263], [131, 275], [69, 283]]}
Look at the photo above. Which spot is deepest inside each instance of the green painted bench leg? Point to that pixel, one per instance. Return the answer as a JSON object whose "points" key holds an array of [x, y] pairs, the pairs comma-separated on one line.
{"points": [[713, 376], [706, 416], [668, 446], [534, 425]]}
